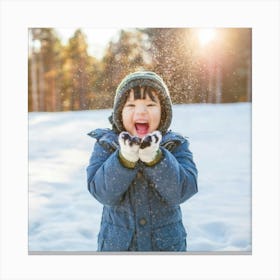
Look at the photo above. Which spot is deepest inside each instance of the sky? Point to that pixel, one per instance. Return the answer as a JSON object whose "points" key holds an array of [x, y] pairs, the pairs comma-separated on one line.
{"points": [[97, 38]]}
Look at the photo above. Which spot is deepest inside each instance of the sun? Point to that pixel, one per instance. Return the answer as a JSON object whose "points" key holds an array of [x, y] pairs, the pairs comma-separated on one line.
{"points": [[206, 35]]}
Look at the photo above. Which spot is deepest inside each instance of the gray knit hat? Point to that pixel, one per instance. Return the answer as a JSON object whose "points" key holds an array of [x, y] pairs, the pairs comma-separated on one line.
{"points": [[142, 78]]}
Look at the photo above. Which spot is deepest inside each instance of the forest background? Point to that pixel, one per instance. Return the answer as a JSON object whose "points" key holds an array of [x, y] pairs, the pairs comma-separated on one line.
{"points": [[65, 77]]}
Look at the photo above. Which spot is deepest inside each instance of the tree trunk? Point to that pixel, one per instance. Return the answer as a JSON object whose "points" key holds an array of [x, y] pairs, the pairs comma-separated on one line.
{"points": [[41, 84], [218, 93], [249, 83], [34, 82]]}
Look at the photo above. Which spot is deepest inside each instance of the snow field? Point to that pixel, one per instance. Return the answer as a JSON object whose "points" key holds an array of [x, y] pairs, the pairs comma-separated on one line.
{"points": [[64, 217]]}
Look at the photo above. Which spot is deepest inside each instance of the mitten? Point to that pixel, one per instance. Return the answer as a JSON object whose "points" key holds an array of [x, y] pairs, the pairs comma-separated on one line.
{"points": [[149, 151], [129, 149]]}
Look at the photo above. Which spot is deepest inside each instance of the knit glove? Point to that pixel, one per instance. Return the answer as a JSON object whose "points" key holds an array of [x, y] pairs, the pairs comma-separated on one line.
{"points": [[149, 151], [129, 149]]}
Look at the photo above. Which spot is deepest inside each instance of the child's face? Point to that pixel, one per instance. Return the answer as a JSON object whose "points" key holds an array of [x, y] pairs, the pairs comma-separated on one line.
{"points": [[141, 116]]}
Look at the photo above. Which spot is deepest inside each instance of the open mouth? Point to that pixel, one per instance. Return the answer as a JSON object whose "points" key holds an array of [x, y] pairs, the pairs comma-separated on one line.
{"points": [[142, 128]]}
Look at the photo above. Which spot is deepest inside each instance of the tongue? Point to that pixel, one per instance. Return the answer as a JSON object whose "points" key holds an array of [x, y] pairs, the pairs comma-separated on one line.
{"points": [[142, 128]]}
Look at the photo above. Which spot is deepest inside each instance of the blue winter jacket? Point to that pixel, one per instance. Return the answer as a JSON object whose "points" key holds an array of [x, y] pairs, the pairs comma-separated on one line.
{"points": [[141, 206]]}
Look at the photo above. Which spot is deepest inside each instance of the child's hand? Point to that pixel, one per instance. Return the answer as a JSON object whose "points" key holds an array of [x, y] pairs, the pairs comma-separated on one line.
{"points": [[129, 146], [149, 151]]}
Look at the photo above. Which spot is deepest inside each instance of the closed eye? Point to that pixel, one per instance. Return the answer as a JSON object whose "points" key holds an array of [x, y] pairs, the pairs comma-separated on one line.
{"points": [[130, 105]]}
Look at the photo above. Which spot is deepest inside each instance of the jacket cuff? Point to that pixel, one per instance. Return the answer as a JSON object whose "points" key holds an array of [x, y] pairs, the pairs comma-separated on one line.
{"points": [[156, 160], [126, 163]]}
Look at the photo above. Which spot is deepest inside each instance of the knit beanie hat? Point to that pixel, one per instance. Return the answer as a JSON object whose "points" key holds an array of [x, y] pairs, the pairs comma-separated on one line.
{"points": [[142, 78]]}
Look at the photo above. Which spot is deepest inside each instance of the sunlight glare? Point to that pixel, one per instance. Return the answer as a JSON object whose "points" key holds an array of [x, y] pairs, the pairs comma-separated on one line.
{"points": [[206, 35]]}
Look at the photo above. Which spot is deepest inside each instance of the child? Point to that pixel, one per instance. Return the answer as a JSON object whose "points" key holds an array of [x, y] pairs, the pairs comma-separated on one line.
{"points": [[140, 171]]}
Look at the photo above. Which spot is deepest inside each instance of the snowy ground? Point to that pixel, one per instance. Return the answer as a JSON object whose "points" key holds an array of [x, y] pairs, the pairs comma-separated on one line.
{"points": [[63, 216]]}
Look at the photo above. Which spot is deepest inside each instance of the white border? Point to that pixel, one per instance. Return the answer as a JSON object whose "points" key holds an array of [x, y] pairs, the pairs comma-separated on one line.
{"points": [[17, 16]]}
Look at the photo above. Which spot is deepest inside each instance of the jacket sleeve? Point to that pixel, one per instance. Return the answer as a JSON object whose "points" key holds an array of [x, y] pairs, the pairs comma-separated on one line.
{"points": [[107, 179], [175, 176]]}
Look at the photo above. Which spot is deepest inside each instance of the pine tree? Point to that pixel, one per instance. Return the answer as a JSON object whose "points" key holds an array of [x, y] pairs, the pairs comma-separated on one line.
{"points": [[122, 57], [44, 71]]}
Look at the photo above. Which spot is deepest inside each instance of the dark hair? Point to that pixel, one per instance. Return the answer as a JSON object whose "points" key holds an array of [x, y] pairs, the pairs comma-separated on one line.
{"points": [[142, 95]]}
